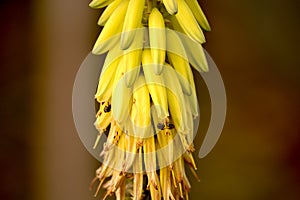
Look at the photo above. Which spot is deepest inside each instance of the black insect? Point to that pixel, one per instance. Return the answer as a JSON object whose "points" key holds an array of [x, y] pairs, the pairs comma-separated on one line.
{"points": [[170, 125], [107, 108]]}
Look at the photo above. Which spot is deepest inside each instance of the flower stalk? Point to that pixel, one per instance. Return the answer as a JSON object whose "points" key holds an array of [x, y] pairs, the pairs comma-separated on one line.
{"points": [[147, 96]]}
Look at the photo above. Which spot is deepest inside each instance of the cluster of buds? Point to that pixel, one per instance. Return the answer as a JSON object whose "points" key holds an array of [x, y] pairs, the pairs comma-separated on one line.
{"points": [[147, 96]]}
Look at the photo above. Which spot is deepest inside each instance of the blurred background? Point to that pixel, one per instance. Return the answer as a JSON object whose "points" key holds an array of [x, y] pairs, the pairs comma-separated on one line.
{"points": [[255, 45]]}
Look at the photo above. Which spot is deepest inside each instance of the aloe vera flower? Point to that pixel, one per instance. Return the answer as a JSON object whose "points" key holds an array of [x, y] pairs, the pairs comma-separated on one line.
{"points": [[146, 96]]}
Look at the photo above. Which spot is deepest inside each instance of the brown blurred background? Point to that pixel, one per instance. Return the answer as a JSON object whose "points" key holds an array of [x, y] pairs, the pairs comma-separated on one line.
{"points": [[255, 45]]}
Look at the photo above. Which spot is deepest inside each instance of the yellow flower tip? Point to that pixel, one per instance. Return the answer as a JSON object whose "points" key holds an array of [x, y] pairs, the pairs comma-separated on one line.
{"points": [[98, 188], [208, 28], [174, 178], [195, 174], [191, 161], [180, 189], [92, 4], [186, 196], [97, 140]]}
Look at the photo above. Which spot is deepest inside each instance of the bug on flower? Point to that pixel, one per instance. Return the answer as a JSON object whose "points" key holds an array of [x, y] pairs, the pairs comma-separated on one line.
{"points": [[107, 108]]}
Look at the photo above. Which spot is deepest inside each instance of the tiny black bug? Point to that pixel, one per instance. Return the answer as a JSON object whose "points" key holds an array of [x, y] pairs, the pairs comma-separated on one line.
{"points": [[170, 125], [107, 108]]}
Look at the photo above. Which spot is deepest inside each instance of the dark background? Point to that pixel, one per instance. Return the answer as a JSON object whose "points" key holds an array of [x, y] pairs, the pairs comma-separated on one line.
{"points": [[256, 47]]}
